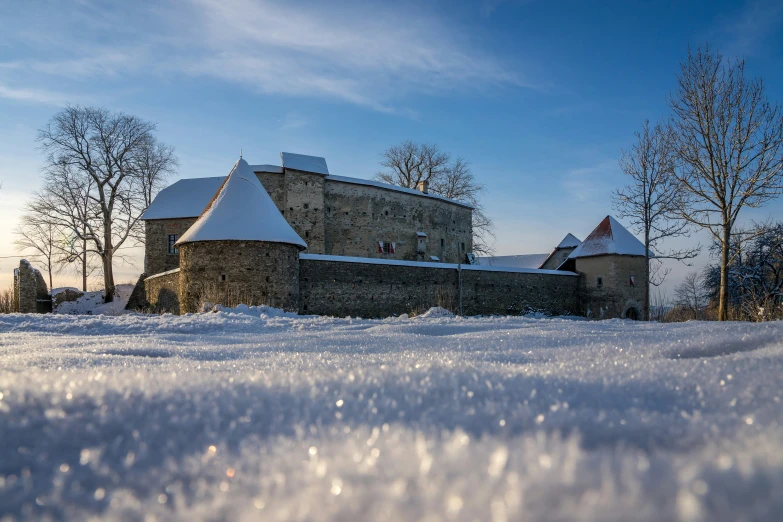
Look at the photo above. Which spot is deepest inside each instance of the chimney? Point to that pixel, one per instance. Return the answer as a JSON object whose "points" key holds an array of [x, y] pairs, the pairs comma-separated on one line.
{"points": [[424, 186]]}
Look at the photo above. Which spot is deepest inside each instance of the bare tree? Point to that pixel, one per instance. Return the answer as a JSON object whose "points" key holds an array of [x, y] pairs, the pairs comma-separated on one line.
{"points": [[155, 162], [651, 201], [729, 143], [691, 295], [410, 164], [94, 179], [41, 240]]}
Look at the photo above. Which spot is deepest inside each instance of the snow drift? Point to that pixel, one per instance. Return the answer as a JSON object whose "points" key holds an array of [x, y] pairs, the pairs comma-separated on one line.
{"points": [[250, 414]]}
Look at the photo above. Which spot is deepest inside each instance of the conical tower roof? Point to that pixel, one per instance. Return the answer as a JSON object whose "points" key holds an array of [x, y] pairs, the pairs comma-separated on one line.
{"points": [[242, 210], [609, 237], [570, 241]]}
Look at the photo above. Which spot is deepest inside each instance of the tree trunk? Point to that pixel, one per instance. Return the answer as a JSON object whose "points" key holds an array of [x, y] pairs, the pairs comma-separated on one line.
{"points": [[646, 310], [84, 265], [108, 278], [723, 303]]}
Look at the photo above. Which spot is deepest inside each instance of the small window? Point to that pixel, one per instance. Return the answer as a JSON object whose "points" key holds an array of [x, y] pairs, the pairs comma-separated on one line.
{"points": [[386, 247], [307, 233], [462, 245], [172, 240], [306, 206], [599, 282], [442, 243], [223, 277], [632, 281]]}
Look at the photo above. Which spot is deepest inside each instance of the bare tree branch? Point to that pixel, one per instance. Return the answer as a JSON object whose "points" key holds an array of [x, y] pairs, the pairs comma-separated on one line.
{"points": [[728, 139]]}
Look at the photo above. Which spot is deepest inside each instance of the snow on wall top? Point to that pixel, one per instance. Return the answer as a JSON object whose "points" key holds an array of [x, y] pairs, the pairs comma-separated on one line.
{"points": [[242, 210], [570, 241], [609, 237], [378, 184], [427, 264], [185, 198], [304, 163], [267, 168], [521, 261]]}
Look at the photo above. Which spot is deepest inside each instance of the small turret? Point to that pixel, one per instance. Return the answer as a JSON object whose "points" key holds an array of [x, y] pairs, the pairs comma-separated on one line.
{"points": [[240, 250]]}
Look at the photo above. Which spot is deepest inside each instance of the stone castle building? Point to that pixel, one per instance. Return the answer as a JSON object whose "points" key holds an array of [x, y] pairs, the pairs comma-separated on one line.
{"points": [[299, 238], [334, 215]]}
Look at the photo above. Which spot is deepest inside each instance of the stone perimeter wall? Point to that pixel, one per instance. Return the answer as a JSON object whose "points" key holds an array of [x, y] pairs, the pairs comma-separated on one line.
{"points": [[163, 292], [342, 288]]}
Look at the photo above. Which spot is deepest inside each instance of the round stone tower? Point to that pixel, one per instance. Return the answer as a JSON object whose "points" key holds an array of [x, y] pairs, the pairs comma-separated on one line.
{"points": [[241, 250]]}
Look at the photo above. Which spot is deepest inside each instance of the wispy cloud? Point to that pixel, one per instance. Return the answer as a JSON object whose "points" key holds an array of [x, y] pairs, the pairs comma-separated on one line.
{"points": [[368, 54], [589, 183], [34, 95], [293, 120], [745, 32]]}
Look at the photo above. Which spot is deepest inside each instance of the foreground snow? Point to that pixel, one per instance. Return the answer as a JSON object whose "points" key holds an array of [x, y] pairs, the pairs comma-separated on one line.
{"points": [[265, 416]]}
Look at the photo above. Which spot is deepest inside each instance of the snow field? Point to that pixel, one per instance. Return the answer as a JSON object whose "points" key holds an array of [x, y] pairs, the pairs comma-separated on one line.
{"points": [[254, 414]]}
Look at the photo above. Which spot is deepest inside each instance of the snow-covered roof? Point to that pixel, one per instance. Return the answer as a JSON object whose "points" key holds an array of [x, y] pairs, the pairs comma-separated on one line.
{"points": [[521, 261], [183, 199], [386, 186], [609, 237], [304, 163], [242, 210], [188, 197], [428, 264], [570, 241], [267, 168]]}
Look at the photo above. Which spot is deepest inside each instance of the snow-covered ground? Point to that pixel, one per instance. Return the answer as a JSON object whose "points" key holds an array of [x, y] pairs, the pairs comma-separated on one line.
{"points": [[91, 303], [241, 417]]}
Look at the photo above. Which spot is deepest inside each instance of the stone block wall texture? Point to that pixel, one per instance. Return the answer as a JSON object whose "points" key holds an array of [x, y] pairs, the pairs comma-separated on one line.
{"points": [[234, 272], [304, 207], [344, 219], [138, 298], [616, 297], [156, 243], [498, 293], [162, 292], [359, 216], [557, 259], [30, 290], [381, 290]]}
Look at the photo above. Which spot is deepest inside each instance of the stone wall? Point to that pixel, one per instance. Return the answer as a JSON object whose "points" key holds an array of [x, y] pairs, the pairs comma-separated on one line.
{"points": [[557, 258], [304, 207], [359, 216], [345, 219], [234, 272], [616, 297], [156, 243], [330, 286], [31, 295], [162, 292]]}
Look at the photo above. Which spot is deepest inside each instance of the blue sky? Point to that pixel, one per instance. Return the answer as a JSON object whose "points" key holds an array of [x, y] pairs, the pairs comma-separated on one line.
{"points": [[539, 96]]}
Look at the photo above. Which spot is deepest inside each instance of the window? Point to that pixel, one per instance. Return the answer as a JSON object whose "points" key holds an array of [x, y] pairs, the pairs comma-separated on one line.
{"points": [[306, 206], [442, 242], [172, 240], [386, 247], [599, 282], [462, 245], [632, 281]]}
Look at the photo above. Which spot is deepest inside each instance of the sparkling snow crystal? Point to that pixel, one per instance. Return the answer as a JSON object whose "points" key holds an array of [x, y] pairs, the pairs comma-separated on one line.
{"points": [[250, 414]]}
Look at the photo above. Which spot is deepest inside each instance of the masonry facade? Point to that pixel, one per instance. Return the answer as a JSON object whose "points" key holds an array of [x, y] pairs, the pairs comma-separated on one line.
{"points": [[334, 215], [311, 243]]}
